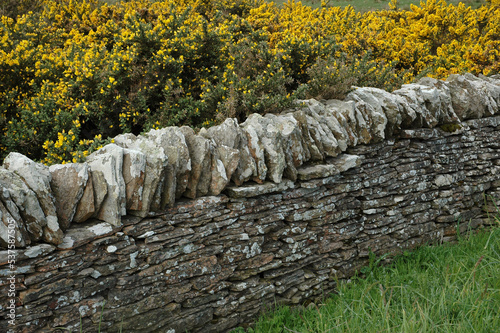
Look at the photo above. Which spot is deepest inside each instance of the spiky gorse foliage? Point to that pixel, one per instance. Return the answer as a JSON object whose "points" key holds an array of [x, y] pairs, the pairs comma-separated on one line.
{"points": [[73, 73]]}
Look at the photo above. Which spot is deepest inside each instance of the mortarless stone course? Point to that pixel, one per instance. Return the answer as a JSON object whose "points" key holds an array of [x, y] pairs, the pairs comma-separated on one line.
{"points": [[332, 182]]}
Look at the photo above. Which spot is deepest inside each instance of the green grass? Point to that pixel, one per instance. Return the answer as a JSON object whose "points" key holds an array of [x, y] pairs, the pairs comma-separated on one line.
{"points": [[448, 288]]}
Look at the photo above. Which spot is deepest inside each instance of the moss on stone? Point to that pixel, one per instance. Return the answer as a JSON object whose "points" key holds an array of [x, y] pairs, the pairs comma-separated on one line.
{"points": [[450, 128]]}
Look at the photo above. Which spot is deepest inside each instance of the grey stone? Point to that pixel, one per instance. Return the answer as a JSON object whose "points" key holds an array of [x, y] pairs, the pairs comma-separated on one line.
{"points": [[153, 196], [68, 184], [37, 177], [311, 140], [12, 229], [15, 190], [230, 134], [319, 125], [199, 152], [384, 114], [219, 178], [134, 173], [174, 145], [248, 191], [471, 97], [109, 160], [345, 113], [272, 144], [256, 149]]}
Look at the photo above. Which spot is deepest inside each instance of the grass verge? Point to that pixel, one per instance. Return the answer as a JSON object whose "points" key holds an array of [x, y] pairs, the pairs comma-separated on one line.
{"points": [[448, 288]]}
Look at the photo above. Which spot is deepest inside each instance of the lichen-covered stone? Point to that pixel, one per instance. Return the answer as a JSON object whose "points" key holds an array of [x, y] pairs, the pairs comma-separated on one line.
{"points": [[12, 229], [200, 154], [153, 193], [213, 263], [68, 185], [109, 161], [37, 177], [270, 138], [134, 172], [256, 149], [174, 145], [13, 189], [230, 134]]}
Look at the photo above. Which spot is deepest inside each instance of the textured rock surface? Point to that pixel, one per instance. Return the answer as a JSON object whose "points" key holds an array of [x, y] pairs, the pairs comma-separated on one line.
{"points": [[68, 185], [212, 263], [174, 144], [17, 195], [37, 177], [154, 195], [334, 181], [109, 161]]}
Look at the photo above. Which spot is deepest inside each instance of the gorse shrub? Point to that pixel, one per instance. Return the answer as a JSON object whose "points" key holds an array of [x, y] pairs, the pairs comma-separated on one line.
{"points": [[73, 73]]}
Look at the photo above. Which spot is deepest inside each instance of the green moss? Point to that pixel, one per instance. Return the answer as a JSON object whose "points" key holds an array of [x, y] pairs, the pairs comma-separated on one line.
{"points": [[450, 128]]}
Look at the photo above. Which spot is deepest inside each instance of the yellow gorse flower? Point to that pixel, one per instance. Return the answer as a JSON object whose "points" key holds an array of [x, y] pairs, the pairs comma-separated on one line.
{"points": [[81, 71]]}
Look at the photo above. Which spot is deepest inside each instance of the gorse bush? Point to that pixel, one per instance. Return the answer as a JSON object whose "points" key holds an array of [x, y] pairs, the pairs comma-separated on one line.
{"points": [[74, 73]]}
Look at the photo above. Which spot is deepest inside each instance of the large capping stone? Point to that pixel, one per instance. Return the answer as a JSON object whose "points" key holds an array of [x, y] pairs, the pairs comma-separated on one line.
{"points": [[471, 96], [492, 86], [218, 177], [272, 144], [338, 131], [22, 205], [153, 192], [437, 99], [292, 143], [229, 134], [415, 112], [86, 207], [11, 225], [382, 110], [134, 172], [28, 202], [312, 143], [37, 178], [319, 128], [256, 149], [345, 114], [68, 184], [109, 160], [200, 154], [174, 145]]}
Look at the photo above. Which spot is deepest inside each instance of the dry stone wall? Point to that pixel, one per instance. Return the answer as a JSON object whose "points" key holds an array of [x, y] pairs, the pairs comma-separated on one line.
{"points": [[173, 230]]}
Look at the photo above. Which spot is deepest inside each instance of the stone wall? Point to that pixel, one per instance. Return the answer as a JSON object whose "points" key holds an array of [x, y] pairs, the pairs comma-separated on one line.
{"points": [[175, 231]]}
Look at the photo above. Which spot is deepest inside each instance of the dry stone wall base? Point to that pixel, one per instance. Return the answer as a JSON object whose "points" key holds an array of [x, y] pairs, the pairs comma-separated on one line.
{"points": [[334, 181]]}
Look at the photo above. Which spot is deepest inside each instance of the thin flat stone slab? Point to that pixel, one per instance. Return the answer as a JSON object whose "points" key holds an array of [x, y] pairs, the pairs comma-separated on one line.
{"points": [[345, 162], [316, 171], [30, 252], [483, 122], [86, 233], [335, 166], [421, 133], [248, 191]]}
